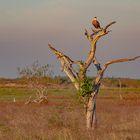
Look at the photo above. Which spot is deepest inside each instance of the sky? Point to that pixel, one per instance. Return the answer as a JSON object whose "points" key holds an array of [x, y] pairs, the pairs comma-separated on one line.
{"points": [[27, 26]]}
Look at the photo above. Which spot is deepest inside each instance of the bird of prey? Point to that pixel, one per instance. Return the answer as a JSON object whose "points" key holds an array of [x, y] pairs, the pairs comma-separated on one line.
{"points": [[96, 23]]}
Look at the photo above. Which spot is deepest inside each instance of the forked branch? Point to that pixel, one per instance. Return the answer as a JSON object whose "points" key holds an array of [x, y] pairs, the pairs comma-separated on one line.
{"points": [[93, 38], [66, 64], [102, 70]]}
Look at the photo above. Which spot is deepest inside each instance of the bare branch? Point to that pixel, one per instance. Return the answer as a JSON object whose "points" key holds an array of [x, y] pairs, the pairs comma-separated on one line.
{"points": [[95, 31], [93, 38], [119, 61], [66, 64], [90, 57], [60, 54], [89, 37], [101, 72], [109, 25], [29, 100], [86, 33]]}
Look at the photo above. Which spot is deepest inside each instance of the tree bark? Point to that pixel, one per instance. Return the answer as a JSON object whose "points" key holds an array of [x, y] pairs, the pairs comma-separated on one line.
{"points": [[91, 119]]}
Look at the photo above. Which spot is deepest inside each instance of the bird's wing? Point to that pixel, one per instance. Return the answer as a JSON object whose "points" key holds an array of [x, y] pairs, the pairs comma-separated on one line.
{"points": [[98, 24]]}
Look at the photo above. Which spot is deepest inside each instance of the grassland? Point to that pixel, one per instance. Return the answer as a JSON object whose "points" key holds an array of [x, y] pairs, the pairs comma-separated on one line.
{"points": [[63, 117]]}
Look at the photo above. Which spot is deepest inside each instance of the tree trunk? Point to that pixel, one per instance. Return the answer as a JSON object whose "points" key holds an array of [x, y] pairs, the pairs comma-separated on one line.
{"points": [[91, 119]]}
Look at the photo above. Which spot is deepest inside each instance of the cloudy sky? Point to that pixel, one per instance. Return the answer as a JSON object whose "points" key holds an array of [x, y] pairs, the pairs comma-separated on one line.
{"points": [[27, 26]]}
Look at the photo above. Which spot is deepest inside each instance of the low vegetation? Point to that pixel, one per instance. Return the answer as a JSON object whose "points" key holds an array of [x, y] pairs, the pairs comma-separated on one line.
{"points": [[59, 119], [63, 81]]}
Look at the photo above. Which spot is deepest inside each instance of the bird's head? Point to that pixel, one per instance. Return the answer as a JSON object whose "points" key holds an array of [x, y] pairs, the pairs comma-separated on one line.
{"points": [[95, 18]]}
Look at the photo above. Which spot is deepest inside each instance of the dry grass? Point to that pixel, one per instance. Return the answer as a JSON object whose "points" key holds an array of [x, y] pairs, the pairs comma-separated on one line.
{"points": [[63, 118]]}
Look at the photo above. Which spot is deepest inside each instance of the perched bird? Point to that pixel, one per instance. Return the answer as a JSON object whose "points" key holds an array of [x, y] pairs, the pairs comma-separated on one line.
{"points": [[96, 23]]}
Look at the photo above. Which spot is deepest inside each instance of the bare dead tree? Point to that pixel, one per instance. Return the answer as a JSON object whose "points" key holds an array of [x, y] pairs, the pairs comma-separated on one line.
{"points": [[34, 76], [88, 89]]}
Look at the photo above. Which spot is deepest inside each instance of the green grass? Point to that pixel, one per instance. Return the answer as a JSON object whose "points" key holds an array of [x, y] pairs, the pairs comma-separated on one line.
{"points": [[8, 94], [116, 92], [62, 92]]}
